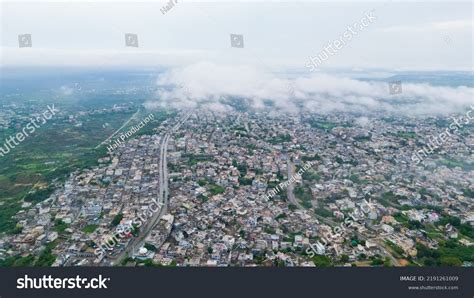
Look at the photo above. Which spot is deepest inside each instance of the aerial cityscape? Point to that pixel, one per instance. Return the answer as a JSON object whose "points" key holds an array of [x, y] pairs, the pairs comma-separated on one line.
{"points": [[247, 188], [238, 164]]}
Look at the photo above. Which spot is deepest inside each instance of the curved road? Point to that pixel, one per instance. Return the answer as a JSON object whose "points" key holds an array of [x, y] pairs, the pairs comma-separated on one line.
{"points": [[294, 201]]}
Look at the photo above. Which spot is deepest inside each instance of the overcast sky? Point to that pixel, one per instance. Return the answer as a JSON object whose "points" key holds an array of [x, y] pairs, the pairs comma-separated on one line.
{"points": [[405, 36]]}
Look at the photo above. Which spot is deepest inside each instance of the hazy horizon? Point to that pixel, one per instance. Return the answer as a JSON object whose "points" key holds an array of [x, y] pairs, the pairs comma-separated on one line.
{"points": [[277, 36]]}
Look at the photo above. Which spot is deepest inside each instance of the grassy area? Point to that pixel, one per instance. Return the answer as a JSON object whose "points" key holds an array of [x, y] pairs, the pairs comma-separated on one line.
{"points": [[324, 125], [280, 139], [449, 253], [60, 226], [406, 134], [292, 207], [193, 159], [356, 179], [202, 182], [303, 193], [311, 175], [452, 163], [56, 149], [390, 199], [33, 170], [397, 250], [89, 229], [311, 158], [322, 261], [203, 198], [323, 212], [215, 189]]}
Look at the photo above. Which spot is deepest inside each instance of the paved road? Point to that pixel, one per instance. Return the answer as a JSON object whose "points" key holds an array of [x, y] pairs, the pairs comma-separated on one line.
{"points": [[290, 194], [137, 242], [163, 200], [121, 127], [381, 245]]}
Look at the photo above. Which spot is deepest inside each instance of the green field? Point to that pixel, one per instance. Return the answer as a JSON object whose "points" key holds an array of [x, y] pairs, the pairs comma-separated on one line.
{"points": [[38, 165]]}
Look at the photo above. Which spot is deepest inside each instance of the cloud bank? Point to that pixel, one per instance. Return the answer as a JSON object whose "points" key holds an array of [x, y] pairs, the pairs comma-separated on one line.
{"points": [[215, 87]]}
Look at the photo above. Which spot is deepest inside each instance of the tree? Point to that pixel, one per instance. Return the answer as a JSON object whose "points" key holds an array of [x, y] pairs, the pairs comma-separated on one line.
{"points": [[149, 247], [377, 262], [321, 261], [117, 219], [344, 258], [450, 261]]}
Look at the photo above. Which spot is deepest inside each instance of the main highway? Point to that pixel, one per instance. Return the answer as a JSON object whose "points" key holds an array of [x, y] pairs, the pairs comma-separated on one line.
{"points": [[163, 200]]}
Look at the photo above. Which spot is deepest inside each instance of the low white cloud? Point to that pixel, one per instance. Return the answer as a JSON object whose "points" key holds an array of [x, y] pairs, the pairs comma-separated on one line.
{"points": [[362, 121], [65, 90], [106, 57], [214, 86]]}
